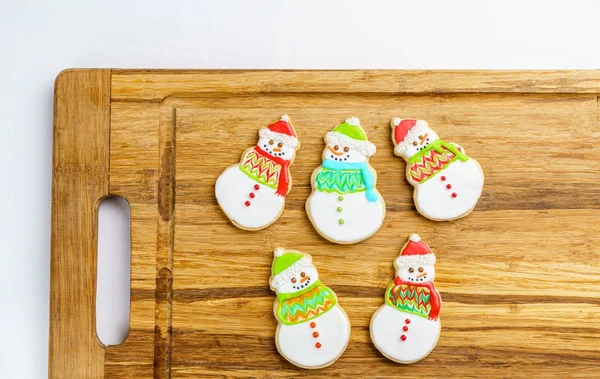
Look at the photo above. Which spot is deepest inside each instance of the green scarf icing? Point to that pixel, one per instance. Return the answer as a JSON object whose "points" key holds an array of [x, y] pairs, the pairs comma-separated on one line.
{"points": [[305, 305], [339, 181], [438, 145]]}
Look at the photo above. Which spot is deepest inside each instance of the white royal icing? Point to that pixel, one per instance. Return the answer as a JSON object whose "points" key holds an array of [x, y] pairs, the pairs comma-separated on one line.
{"points": [[361, 218], [233, 187], [297, 342], [389, 324], [432, 197]]}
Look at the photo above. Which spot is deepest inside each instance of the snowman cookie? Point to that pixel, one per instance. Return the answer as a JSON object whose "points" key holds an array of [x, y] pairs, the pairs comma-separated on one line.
{"points": [[447, 182], [406, 327], [313, 329], [344, 206], [252, 192]]}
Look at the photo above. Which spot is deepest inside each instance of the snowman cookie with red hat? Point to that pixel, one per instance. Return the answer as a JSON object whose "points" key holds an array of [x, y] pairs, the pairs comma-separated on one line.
{"points": [[447, 182], [252, 192], [406, 327]]}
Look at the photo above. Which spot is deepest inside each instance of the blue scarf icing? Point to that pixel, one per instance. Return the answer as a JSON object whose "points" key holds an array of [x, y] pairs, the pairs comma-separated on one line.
{"points": [[366, 174]]}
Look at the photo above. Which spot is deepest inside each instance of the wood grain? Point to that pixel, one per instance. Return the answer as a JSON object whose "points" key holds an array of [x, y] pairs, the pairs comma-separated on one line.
{"points": [[519, 277]]}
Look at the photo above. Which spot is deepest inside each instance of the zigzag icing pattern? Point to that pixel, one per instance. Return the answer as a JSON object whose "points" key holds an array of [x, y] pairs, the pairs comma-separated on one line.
{"points": [[430, 164], [261, 169], [340, 181], [410, 299], [306, 307]]}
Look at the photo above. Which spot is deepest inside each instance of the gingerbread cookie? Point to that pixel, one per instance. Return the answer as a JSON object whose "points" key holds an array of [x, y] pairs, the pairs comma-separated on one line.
{"points": [[313, 329], [345, 206], [447, 182], [406, 327], [252, 192]]}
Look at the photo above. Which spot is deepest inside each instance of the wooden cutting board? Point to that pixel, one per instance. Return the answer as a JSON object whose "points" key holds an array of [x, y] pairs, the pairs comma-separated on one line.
{"points": [[519, 277]]}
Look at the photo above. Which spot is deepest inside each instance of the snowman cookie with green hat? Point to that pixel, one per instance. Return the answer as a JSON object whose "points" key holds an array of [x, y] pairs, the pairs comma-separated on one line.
{"points": [[313, 329], [345, 206]]}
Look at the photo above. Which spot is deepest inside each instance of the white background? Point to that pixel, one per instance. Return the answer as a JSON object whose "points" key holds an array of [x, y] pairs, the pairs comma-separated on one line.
{"points": [[40, 38]]}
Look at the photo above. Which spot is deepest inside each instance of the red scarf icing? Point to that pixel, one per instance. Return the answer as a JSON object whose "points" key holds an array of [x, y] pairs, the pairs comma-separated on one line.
{"points": [[284, 174], [434, 300]]}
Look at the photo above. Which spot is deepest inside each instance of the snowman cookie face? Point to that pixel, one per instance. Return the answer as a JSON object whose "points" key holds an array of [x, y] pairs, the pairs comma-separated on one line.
{"points": [[447, 183], [406, 328], [252, 192], [313, 330], [276, 149], [345, 206]]}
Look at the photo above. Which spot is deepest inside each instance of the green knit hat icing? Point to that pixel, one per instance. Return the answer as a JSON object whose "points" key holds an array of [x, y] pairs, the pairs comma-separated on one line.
{"points": [[351, 130], [284, 260], [349, 133]]}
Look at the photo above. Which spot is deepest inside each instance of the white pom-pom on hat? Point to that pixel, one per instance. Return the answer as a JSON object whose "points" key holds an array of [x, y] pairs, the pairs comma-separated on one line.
{"points": [[278, 252], [285, 118], [415, 237], [395, 121], [353, 121]]}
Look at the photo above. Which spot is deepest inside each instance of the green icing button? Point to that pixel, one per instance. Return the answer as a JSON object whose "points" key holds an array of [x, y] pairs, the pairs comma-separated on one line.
{"points": [[341, 221], [339, 209], [340, 198]]}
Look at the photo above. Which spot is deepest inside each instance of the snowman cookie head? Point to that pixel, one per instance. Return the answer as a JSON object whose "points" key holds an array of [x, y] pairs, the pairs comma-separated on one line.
{"points": [[279, 139], [292, 271], [347, 143], [411, 136], [416, 262]]}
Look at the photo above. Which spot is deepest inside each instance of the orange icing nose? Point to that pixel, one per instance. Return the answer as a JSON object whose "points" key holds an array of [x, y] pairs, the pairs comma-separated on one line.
{"points": [[424, 138], [276, 149], [421, 275], [333, 151], [304, 279]]}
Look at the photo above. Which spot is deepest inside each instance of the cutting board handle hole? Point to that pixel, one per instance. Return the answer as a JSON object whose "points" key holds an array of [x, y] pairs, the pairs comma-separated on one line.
{"points": [[114, 271]]}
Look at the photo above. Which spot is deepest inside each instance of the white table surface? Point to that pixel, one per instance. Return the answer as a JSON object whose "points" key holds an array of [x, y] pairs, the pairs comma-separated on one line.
{"points": [[40, 38]]}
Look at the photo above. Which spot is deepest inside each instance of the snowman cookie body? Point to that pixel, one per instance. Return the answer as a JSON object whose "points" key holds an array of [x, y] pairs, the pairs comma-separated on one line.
{"points": [[447, 182], [406, 327], [313, 330], [252, 193], [345, 206]]}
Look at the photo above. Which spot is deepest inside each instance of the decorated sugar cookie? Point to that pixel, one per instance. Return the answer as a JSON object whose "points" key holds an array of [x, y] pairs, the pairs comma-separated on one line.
{"points": [[345, 207], [313, 329], [406, 327], [252, 192], [447, 182]]}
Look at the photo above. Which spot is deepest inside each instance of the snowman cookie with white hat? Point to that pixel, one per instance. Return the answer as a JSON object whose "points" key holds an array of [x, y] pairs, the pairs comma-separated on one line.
{"points": [[406, 327], [447, 182], [345, 206], [313, 329], [252, 192]]}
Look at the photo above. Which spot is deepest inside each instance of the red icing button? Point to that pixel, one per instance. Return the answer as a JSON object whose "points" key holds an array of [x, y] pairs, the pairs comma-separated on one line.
{"points": [[318, 345], [443, 178], [403, 337], [315, 334], [405, 328], [312, 325], [247, 203], [454, 194], [256, 187], [252, 195], [448, 186], [407, 321]]}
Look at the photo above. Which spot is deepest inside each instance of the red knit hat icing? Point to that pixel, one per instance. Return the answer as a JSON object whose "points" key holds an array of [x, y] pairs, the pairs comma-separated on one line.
{"points": [[401, 128], [281, 131], [415, 253]]}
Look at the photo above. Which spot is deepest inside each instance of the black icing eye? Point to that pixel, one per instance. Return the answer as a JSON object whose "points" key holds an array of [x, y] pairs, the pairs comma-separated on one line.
{"points": [[420, 269], [346, 149], [411, 270], [271, 142], [279, 144], [336, 148], [293, 280], [302, 274], [420, 137], [415, 143]]}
